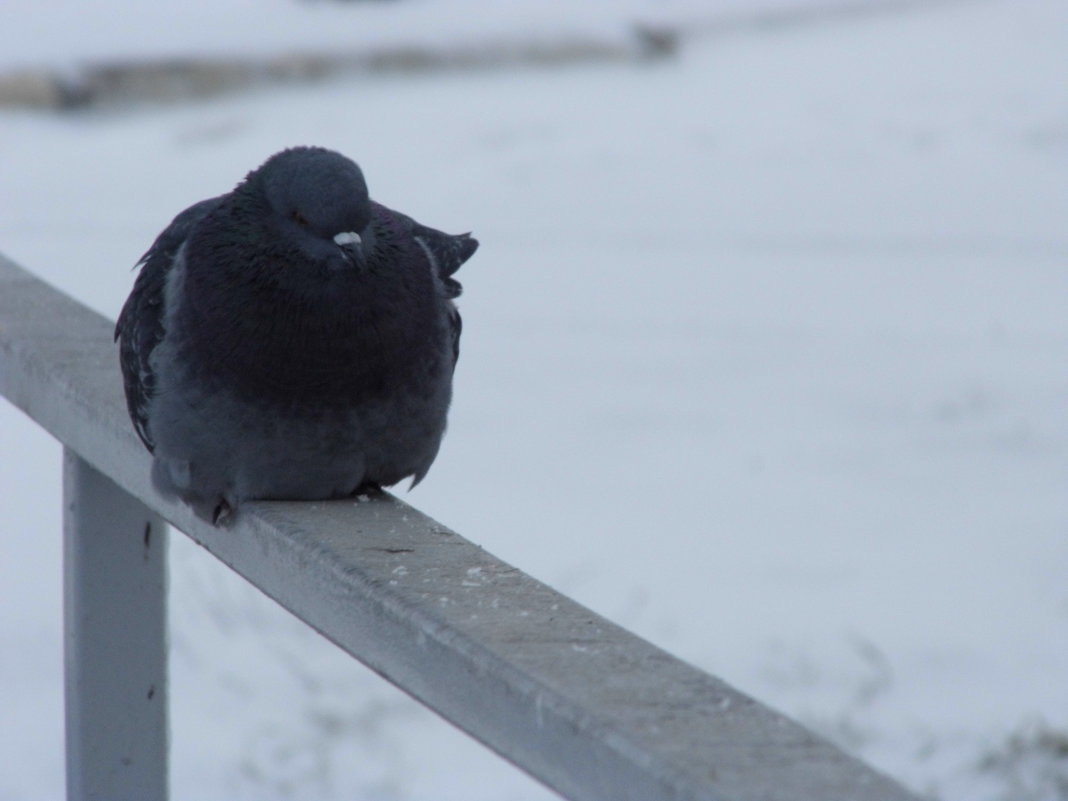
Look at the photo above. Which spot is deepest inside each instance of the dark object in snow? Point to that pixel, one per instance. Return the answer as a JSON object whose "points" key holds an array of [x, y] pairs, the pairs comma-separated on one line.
{"points": [[292, 339]]}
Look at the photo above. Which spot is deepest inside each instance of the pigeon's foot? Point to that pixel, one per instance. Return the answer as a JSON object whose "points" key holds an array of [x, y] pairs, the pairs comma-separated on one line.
{"points": [[223, 514], [367, 490]]}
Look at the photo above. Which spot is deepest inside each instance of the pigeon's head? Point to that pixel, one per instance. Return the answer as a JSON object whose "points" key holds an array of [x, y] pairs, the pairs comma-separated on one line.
{"points": [[317, 202]]}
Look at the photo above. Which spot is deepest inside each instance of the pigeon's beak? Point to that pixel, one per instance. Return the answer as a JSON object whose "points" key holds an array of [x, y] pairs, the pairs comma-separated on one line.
{"points": [[351, 244]]}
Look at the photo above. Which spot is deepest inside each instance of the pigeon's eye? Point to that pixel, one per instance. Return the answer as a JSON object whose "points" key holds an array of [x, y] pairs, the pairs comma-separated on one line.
{"points": [[300, 219]]}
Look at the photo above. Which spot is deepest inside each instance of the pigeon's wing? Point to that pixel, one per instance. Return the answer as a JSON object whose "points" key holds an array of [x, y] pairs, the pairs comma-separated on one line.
{"points": [[140, 326], [456, 325], [446, 252]]}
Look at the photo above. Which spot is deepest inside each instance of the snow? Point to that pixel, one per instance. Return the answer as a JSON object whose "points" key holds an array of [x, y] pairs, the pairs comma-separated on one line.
{"points": [[119, 29], [764, 358]]}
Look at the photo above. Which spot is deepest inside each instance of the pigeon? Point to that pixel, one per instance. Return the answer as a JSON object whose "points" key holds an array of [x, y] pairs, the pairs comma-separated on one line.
{"points": [[291, 340]]}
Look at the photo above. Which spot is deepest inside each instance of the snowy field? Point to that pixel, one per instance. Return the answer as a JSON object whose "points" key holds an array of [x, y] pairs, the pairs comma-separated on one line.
{"points": [[765, 357], [112, 30]]}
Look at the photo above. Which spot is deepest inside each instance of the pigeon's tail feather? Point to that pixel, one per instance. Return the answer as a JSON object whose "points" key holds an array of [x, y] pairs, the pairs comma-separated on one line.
{"points": [[417, 477]]}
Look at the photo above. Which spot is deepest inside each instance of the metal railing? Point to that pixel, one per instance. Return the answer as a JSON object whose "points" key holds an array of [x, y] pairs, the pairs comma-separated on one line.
{"points": [[584, 706]]}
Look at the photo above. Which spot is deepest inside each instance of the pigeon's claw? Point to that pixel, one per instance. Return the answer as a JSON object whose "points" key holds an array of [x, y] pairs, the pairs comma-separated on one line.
{"points": [[223, 514]]}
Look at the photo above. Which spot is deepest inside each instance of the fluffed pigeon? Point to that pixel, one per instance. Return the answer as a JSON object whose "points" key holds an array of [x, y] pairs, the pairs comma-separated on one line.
{"points": [[292, 339]]}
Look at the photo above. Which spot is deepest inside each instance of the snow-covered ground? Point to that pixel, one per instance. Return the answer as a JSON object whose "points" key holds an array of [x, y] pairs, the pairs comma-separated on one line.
{"points": [[765, 357], [69, 33]]}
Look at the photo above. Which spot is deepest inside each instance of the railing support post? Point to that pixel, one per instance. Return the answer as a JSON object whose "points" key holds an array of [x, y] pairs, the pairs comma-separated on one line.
{"points": [[114, 604]]}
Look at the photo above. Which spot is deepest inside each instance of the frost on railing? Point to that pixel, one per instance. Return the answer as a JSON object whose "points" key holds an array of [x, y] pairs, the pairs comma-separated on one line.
{"points": [[581, 704]]}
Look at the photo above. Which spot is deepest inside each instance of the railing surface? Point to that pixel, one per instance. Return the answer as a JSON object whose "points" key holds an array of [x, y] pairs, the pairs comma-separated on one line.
{"points": [[581, 704]]}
